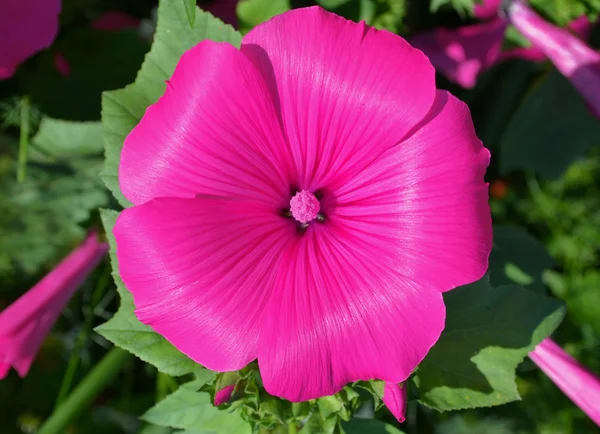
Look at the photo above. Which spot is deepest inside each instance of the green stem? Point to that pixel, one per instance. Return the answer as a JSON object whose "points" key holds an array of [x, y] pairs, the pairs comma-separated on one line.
{"points": [[23, 140], [82, 338], [292, 429], [85, 393]]}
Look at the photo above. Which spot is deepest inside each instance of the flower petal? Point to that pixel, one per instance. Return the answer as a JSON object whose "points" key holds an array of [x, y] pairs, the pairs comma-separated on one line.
{"points": [[214, 131], [200, 271], [424, 204], [340, 314], [462, 54], [4, 368], [346, 91], [395, 399]]}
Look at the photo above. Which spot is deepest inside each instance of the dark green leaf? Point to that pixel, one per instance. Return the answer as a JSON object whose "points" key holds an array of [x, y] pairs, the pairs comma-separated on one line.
{"points": [[517, 257], [551, 128], [489, 331], [368, 426]]}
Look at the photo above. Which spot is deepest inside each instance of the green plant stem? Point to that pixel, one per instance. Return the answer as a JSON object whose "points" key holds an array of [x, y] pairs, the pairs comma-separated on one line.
{"points": [[292, 429], [84, 394], [82, 338], [23, 140]]}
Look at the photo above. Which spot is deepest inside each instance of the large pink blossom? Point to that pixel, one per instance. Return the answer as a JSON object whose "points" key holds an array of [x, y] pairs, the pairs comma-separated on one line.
{"points": [[571, 55], [26, 27], [304, 200], [25, 323], [574, 379]]}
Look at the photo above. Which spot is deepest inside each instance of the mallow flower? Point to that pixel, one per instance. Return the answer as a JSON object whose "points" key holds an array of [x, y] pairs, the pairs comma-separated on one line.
{"points": [[571, 55], [25, 323], [574, 379], [26, 27], [303, 201]]}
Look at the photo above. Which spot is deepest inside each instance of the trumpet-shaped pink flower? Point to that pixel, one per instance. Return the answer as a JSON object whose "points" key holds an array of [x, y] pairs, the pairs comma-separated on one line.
{"points": [[486, 9], [229, 267], [577, 382], [25, 323], [26, 27], [395, 398], [572, 57]]}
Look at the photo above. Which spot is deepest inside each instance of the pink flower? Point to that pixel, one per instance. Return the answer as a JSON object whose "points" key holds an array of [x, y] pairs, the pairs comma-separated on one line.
{"points": [[462, 54], [112, 21], [221, 264], [578, 383], [26, 27], [224, 395], [395, 398], [26, 322], [571, 56]]}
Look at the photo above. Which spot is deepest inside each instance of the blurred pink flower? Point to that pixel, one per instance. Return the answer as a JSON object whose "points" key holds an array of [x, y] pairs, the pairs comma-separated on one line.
{"points": [[224, 395], [462, 54], [577, 382], [395, 398], [113, 21], [572, 57], [223, 265], [26, 27], [25, 323]]}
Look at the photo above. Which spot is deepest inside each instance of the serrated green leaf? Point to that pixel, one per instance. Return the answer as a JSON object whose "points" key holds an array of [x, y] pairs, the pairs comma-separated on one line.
{"points": [[63, 139], [551, 128], [253, 12], [191, 410], [370, 426], [126, 331], [122, 109], [489, 331], [190, 11], [517, 257]]}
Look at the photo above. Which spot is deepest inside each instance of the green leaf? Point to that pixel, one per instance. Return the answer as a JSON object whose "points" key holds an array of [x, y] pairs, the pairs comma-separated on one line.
{"points": [[517, 257], [68, 139], [126, 331], [254, 12], [489, 331], [122, 109], [190, 11], [192, 410], [370, 426], [551, 128]]}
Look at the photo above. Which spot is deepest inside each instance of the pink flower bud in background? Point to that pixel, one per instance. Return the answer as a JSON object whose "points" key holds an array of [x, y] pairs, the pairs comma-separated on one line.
{"points": [[395, 398], [25, 323], [578, 383], [486, 9], [26, 27], [571, 55], [224, 395]]}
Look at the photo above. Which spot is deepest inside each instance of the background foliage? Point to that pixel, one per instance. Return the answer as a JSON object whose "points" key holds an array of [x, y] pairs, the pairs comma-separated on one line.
{"points": [[545, 181]]}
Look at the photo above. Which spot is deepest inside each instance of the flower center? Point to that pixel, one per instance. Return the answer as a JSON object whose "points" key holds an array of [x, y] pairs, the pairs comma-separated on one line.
{"points": [[304, 206]]}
